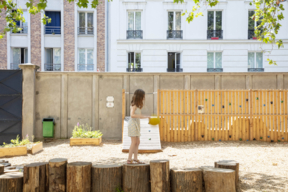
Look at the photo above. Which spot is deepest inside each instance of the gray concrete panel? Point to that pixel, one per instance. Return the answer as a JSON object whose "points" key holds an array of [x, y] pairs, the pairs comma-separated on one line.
{"points": [[172, 82], [48, 103], [141, 82], [79, 101], [202, 82], [110, 119], [264, 81], [234, 82]]}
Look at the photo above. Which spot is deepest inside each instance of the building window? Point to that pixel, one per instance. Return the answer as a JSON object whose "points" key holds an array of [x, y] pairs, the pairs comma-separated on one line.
{"points": [[174, 62], [52, 59], [134, 26], [134, 62], [85, 60], [22, 25], [214, 62], [255, 61], [214, 25], [19, 56], [174, 26], [85, 24], [252, 24], [54, 27]]}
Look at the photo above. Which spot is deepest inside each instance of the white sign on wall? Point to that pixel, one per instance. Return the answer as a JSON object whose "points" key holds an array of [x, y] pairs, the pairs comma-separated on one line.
{"points": [[110, 102]]}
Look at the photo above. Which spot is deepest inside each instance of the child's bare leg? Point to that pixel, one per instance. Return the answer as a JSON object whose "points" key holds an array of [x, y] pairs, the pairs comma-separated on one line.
{"points": [[132, 147], [136, 148]]}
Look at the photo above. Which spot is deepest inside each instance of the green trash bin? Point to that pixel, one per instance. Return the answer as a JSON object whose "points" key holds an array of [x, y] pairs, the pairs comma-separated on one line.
{"points": [[48, 127]]}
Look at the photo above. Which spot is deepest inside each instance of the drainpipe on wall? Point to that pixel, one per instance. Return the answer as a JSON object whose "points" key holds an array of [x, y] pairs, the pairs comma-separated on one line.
{"points": [[106, 35]]}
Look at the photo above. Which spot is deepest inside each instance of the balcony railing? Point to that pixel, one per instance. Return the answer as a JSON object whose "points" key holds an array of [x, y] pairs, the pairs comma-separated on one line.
{"points": [[214, 69], [52, 30], [15, 66], [174, 34], [134, 34], [255, 69], [23, 30], [215, 34], [134, 69], [175, 69], [85, 67], [52, 67], [85, 30]]}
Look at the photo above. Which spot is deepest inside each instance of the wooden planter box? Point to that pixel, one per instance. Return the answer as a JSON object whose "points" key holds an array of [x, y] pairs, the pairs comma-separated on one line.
{"points": [[37, 147], [85, 141], [13, 151]]}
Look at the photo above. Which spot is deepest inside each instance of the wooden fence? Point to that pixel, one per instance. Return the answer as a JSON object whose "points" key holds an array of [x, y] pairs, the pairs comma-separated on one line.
{"points": [[223, 115]]}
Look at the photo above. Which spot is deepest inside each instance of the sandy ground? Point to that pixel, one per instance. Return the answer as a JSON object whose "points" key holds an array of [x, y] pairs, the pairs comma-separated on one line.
{"points": [[263, 165]]}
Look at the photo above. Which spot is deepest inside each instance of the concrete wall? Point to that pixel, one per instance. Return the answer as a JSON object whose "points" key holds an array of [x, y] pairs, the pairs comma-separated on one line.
{"points": [[71, 97]]}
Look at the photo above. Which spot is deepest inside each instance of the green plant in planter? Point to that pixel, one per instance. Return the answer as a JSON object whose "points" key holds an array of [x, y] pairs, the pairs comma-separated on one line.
{"points": [[16, 142], [85, 131]]}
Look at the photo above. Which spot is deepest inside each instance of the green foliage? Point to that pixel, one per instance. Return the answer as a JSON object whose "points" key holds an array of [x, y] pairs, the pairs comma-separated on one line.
{"points": [[16, 142], [119, 189], [85, 131]]}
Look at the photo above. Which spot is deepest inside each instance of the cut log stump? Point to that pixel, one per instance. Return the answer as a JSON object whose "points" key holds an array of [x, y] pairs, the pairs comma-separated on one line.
{"points": [[57, 175], [219, 180], [79, 177], [35, 177], [1, 169], [159, 175], [229, 164], [12, 182], [136, 177], [188, 179], [106, 178]]}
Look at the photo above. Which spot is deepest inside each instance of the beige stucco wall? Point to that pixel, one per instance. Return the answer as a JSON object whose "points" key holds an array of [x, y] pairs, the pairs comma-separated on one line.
{"points": [[71, 97]]}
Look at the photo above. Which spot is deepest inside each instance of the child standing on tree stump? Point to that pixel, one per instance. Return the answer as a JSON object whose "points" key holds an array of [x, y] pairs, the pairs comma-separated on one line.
{"points": [[134, 125]]}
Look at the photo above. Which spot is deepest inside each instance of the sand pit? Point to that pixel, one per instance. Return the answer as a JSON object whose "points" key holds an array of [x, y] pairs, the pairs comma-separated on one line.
{"points": [[263, 165]]}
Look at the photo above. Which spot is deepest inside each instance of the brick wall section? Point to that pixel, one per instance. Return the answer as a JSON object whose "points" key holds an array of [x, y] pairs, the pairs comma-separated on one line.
{"points": [[3, 43], [35, 28], [101, 35], [69, 36]]}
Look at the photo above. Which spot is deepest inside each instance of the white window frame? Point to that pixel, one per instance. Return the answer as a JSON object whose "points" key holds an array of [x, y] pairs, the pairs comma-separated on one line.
{"points": [[134, 14], [86, 20], [175, 58], [254, 64], [214, 19], [214, 59], [86, 59], [174, 20], [135, 58]]}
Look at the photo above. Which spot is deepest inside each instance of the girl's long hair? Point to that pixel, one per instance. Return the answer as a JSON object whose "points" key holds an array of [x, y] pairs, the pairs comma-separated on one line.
{"points": [[138, 98]]}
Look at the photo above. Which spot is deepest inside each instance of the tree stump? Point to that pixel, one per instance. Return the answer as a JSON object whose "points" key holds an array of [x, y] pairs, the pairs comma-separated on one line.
{"points": [[12, 182], [57, 175], [35, 177], [106, 178], [229, 164], [188, 179], [1, 169], [159, 175], [79, 177], [136, 177], [219, 180]]}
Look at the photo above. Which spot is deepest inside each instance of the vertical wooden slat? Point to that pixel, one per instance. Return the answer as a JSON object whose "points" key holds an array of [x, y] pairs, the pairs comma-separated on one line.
{"points": [[123, 110], [251, 124], [196, 116]]}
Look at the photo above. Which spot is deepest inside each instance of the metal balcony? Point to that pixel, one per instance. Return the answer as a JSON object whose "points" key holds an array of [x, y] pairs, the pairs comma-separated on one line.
{"points": [[85, 30], [23, 30], [54, 30], [52, 67], [174, 34], [134, 69], [215, 34], [134, 34], [175, 69], [85, 67]]}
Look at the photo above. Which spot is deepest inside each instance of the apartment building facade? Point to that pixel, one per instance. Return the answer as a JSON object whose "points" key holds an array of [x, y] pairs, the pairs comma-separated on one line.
{"points": [[152, 36], [75, 40]]}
